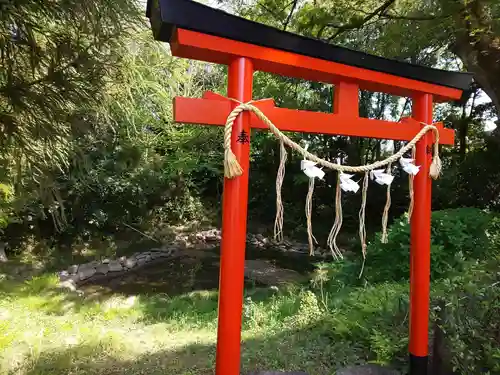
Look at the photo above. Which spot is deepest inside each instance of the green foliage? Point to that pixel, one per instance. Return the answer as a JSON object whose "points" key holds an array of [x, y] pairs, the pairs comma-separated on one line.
{"points": [[290, 328], [471, 324], [136, 166], [375, 318], [56, 59], [6, 198], [456, 235], [50, 331], [472, 181]]}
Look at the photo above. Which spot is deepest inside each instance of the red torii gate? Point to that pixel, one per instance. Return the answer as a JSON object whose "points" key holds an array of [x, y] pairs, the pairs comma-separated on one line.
{"points": [[196, 31]]}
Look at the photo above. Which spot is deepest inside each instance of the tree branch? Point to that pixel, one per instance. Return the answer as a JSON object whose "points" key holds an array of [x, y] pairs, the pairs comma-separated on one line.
{"points": [[50, 75], [407, 101], [414, 18], [271, 12], [294, 5], [400, 17], [357, 24]]}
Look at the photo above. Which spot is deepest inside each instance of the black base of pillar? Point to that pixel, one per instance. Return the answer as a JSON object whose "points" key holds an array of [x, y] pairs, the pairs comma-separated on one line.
{"points": [[418, 365]]}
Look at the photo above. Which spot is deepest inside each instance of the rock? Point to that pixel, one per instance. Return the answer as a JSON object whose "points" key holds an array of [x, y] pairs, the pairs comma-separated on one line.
{"points": [[68, 285], [3, 256], [105, 261], [86, 273], [148, 258], [73, 269], [102, 269], [115, 266], [64, 275], [130, 263], [166, 253], [86, 266], [367, 370], [266, 273], [213, 235], [114, 274], [141, 261], [122, 259]]}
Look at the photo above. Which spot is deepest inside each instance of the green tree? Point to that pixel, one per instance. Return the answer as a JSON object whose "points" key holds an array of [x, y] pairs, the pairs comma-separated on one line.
{"points": [[56, 58], [136, 166]]}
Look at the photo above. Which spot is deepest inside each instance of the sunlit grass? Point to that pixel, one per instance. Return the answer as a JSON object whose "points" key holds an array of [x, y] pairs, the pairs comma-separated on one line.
{"points": [[45, 330]]}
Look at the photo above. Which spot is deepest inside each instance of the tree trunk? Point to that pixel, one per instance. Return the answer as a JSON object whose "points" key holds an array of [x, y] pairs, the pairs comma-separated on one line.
{"points": [[479, 48], [463, 130]]}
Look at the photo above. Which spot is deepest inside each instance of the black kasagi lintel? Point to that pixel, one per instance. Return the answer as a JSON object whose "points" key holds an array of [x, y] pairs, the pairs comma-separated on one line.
{"points": [[166, 15]]}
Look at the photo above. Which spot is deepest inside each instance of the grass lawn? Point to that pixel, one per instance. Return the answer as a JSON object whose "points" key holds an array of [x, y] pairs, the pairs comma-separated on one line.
{"points": [[47, 331]]}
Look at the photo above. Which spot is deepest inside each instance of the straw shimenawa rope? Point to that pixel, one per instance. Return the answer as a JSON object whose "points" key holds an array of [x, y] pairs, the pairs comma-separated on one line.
{"points": [[362, 228], [278, 223], [332, 237], [385, 215], [233, 169], [310, 235], [411, 177]]}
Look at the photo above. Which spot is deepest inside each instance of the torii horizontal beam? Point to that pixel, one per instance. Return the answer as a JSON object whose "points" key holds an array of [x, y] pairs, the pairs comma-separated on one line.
{"points": [[213, 109], [204, 47], [200, 32]]}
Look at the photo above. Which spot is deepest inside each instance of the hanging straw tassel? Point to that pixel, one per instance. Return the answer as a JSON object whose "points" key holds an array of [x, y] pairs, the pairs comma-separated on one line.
{"points": [[436, 166], [385, 216], [362, 229], [231, 166], [278, 223], [332, 237], [310, 235], [411, 178]]}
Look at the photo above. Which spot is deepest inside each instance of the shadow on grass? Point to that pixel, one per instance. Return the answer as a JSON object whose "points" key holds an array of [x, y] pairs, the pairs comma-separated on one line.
{"points": [[173, 291], [307, 349], [181, 288]]}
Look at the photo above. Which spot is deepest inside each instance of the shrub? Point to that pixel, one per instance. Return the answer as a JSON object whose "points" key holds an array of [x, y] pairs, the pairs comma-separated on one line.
{"points": [[372, 319], [471, 325], [456, 235]]}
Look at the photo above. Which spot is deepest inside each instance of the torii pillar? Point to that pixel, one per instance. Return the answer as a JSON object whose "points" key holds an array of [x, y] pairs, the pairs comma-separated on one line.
{"points": [[198, 32]]}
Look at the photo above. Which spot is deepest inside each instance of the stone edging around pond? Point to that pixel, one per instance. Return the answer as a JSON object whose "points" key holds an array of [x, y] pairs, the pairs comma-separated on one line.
{"points": [[77, 275]]}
